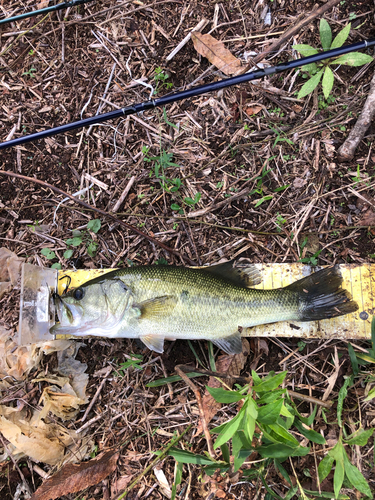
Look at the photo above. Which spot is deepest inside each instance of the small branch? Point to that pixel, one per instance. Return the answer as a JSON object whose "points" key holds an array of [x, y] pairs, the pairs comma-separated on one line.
{"points": [[297, 28], [100, 211], [198, 396], [347, 150]]}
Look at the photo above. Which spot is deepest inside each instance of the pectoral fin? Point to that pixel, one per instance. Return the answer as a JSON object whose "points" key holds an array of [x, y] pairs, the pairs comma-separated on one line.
{"points": [[153, 342], [158, 307], [231, 344]]}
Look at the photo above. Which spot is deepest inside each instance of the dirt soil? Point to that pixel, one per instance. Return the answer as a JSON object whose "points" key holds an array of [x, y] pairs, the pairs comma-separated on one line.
{"points": [[250, 171]]}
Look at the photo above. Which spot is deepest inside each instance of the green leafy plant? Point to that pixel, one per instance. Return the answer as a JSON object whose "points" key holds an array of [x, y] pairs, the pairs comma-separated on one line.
{"points": [[84, 237], [344, 469], [321, 71], [311, 260], [160, 79], [280, 221], [266, 423], [50, 255], [134, 361], [265, 407], [30, 73], [169, 185]]}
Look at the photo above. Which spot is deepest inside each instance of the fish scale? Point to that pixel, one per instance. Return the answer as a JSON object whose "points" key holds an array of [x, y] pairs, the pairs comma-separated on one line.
{"points": [[154, 303]]}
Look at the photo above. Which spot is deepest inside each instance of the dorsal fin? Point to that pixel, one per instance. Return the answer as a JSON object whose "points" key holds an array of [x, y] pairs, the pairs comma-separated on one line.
{"points": [[238, 273]]}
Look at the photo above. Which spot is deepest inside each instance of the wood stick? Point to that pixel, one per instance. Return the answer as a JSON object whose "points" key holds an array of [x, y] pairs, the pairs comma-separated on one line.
{"points": [[346, 151], [296, 29]]}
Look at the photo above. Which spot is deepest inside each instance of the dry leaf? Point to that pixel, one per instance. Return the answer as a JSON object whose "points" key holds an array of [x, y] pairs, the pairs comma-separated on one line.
{"points": [[73, 478], [253, 110], [298, 182], [17, 361], [43, 4], [43, 442], [10, 268], [119, 485], [163, 482], [231, 365], [368, 219], [215, 51]]}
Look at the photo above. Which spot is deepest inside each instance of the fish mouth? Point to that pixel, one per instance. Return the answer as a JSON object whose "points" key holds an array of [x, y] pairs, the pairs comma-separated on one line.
{"points": [[69, 315]]}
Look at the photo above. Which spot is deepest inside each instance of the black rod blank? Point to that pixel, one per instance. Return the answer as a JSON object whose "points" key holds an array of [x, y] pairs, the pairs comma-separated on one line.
{"points": [[46, 10], [186, 94]]}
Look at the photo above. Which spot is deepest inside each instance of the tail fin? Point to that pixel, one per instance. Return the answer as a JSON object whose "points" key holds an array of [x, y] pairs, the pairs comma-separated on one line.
{"points": [[321, 295]]}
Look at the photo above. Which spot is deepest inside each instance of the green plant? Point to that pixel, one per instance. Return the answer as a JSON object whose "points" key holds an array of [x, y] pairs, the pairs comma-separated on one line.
{"points": [[280, 221], [169, 185], [84, 237], [313, 259], [266, 423], [29, 73], [344, 469], [160, 79], [280, 137], [134, 361], [321, 71]]}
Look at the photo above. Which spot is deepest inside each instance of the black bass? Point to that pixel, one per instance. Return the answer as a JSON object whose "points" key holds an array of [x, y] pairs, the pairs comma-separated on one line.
{"points": [[158, 302]]}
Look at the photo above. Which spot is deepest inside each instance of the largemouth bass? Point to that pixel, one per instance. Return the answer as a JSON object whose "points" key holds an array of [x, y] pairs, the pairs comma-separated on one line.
{"points": [[158, 302]]}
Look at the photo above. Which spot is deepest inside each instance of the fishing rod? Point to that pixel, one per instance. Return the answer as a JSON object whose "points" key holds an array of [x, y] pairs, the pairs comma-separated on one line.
{"points": [[186, 94], [51, 8]]}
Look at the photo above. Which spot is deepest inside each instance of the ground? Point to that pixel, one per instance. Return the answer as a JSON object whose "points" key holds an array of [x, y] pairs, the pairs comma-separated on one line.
{"points": [[251, 171]]}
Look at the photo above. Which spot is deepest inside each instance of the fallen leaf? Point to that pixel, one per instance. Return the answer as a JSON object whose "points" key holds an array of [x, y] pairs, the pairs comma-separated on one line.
{"points": [[43, 4], [215, 51], [312, 244], [10, 268], [163, 482], [43, 442], [253, 110], [298, 182], [231, 365], [368, 219], [73, 478], [119, 485]]}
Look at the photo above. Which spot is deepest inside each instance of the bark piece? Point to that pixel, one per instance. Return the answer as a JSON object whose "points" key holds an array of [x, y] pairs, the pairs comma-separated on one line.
{"points": [[347, 150]]}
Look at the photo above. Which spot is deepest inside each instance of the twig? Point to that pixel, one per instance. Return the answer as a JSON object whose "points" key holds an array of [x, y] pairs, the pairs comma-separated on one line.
{"points": [[198, 27], [310, 399], [198, 396], [100, 211], [88, 409], [346, 151], [162, 455], [124, 194], [296, 28]]}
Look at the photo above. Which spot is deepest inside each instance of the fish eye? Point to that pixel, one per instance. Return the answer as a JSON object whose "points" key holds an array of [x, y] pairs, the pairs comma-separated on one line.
{"points": [[78, 293]]}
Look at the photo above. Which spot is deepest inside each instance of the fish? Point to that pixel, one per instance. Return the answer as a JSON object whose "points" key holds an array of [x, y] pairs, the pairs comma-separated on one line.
{"points": [[161, 302]]}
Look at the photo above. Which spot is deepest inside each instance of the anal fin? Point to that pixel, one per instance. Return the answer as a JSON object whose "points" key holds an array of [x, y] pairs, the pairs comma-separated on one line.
{"points": [[231, 344], [153, 342]]}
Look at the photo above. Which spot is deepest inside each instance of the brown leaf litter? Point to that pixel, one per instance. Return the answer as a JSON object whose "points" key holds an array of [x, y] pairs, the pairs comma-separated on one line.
{"points": [[216, 53], [73, 478]]}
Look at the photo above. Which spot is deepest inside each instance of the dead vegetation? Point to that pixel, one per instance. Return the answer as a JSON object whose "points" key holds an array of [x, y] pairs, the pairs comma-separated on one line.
{"points": [[250, 171]]}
